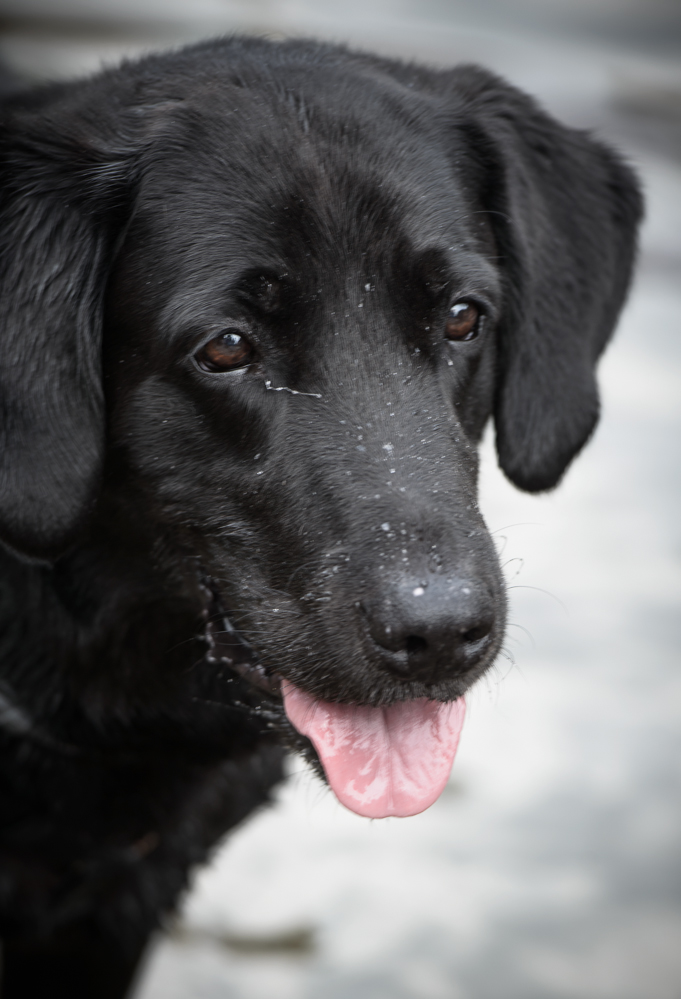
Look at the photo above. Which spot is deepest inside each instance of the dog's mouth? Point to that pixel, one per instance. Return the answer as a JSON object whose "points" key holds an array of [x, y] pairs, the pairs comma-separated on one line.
{"points": [[378, 761], [228, 647]]}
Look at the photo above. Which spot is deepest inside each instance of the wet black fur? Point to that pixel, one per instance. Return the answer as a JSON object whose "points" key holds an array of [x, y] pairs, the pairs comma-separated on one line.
{"points": [[331, 206]]}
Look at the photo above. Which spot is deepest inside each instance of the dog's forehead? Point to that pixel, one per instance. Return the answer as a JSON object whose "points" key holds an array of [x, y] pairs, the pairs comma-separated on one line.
{"points": [[247, 176]]}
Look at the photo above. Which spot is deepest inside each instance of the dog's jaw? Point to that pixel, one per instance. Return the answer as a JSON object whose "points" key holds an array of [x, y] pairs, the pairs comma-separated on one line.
{"points": [[228, 647]]}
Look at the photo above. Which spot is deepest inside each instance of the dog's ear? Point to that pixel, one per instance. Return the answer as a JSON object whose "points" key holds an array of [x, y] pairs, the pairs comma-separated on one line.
{"points": [[564, 210], [60, 207]]}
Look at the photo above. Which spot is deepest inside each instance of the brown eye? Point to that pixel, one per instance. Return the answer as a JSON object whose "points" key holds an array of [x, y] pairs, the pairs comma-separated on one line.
{"points": [[225, 352], [462, 322]]}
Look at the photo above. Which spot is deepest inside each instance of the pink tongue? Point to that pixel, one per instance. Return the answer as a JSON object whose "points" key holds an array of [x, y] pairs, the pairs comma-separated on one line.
{"points": [[380, 761]]}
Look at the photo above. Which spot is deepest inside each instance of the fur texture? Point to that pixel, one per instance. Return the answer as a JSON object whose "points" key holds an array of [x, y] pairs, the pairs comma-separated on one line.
{"points": [[176, 538]]}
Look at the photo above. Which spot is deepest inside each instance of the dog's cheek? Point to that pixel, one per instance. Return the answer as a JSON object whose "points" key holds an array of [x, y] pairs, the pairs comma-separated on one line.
{"points": [[165, 443], [470, 384]]}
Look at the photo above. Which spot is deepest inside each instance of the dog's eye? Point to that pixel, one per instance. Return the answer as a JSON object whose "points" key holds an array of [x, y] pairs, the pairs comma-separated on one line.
{"points": [[463, 321], [225, 352]]}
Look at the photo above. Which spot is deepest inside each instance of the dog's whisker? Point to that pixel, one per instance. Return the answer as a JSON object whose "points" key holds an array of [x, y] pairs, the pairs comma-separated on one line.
{"points": [[520, 586], [522, 523], [513, 624], [517, 572], [502, 547]]}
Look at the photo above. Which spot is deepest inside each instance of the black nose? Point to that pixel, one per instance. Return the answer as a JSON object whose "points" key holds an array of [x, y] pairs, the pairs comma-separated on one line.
{"points": [[434, 629]]}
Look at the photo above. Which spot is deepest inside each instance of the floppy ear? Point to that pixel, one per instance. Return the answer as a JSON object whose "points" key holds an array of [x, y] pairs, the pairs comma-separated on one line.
{"points": [[59, 205], [564, 210]]}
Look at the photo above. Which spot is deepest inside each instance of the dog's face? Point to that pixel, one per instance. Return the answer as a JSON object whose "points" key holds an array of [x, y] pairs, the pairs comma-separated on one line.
{"points": [[315, 277], [298, 365]]}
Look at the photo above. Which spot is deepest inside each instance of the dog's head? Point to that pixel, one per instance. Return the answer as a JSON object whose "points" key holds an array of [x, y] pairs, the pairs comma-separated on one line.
{"points": [[259, 303]]}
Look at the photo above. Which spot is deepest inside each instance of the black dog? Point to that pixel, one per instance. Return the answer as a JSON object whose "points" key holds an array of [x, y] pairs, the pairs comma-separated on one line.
{"points": [[259, 301]]}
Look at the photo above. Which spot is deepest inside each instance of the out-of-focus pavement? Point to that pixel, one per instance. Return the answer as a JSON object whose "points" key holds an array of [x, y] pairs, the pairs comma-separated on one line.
{"points": [[551, 866]]}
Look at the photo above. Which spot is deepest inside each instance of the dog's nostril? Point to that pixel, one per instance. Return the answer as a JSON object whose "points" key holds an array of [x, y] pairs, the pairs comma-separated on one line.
{"points": [[475, 634], [415, 644]]}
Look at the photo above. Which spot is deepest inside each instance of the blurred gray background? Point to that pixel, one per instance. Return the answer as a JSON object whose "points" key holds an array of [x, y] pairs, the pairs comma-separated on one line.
{"points": [[551, 866]]}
